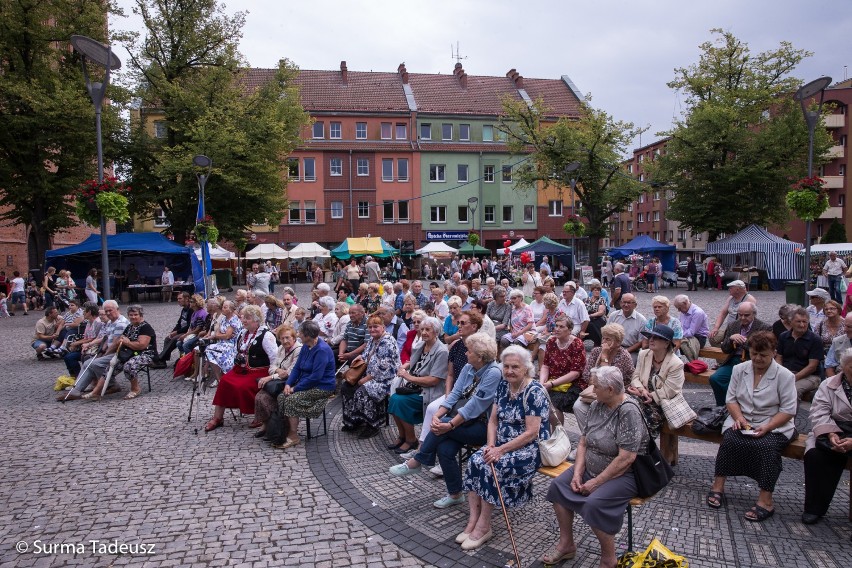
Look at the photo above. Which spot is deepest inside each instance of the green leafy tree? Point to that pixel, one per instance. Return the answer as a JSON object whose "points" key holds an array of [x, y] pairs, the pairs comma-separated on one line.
{"points": [[836, 233], [47, 138], [190, 75], [741, 142], [595, 140]]}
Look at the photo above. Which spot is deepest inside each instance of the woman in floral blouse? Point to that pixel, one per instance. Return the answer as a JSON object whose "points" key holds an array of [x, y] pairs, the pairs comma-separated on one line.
{"points": [[596, 306], [564, 361]]}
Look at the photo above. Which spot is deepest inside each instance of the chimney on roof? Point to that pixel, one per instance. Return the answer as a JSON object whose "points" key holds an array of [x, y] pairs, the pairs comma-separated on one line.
{"points": [[463, 80], [519, 81], [343, 72], [458, 69], [403, 73], [512, 73]]}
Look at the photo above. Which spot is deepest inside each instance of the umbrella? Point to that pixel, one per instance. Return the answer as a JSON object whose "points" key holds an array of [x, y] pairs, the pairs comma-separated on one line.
{"points": [[436, 247], [266, 251], [308, 250]]}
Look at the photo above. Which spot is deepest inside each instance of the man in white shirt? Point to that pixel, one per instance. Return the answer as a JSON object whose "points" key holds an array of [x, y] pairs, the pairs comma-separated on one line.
{"points": [[833, 269], [18, 293], [259, 280], [168, 282], [574, 309], [633, 323]]}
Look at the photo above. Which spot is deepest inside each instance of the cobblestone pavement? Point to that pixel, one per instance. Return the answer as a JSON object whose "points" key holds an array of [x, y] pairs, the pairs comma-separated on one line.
{"points": [[134, 472]]}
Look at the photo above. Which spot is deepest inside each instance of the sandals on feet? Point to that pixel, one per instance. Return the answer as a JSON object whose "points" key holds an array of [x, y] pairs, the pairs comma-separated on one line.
{"points": [[758, 514], [132, 394], [554, 557], [715, 499], [213, 423]]}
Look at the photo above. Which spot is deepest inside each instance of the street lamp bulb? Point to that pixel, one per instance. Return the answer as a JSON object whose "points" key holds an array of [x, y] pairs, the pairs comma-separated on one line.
{"points": [[572, 167], [202, 161], [472, 203], [96, 51], [812, 88]]}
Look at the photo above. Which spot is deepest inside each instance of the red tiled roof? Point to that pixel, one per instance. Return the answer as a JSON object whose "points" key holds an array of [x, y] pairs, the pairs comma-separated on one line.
{"points": [[557, 97], [444, 93]]}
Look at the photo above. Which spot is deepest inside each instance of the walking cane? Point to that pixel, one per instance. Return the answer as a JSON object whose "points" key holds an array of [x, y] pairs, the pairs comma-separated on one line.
{"points": [[506, 516], [80, 374], [112, 363]]}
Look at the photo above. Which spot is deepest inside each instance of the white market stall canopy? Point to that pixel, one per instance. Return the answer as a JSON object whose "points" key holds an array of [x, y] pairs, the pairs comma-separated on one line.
{"points": [[757, 247], [437, 247], [842, 249], [518, 245], [308, 250], [267, 251], [216, 253]]}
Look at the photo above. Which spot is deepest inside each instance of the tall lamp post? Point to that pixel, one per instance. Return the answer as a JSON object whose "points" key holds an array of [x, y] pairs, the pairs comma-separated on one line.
{"points": [[472, 203], [202, 161], [102, 55], [804, 93], [570, 168]]}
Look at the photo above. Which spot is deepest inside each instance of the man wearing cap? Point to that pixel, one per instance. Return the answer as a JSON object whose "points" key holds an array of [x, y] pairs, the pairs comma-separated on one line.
{"points": [[734, 344], [574, 309], [621, 285], [729, 313], [633, 323], [818, 298], [373, 271], [833, 269], [800, 350]]}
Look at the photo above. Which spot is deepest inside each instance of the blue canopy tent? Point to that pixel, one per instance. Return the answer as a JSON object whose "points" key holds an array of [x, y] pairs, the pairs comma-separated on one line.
{"points": [[153, 248], [645, 245]]}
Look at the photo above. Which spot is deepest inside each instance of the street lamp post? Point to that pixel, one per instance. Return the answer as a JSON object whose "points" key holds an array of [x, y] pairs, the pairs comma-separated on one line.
{"points": [[102, 55], [570, 168], [202, 161], [472, 203], [804, 93]]}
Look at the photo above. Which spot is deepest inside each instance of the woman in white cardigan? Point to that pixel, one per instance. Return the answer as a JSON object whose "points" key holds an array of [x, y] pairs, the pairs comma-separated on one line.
{"points": [[658, 375]]}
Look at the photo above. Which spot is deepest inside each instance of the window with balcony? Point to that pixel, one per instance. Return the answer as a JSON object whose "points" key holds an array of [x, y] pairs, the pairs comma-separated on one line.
{"points": [[462, 170], [464, 132], [335, 131], [487, 133], [438, 213], [293, 169], [488, 174], [508, 214], [363, 167], [463, 214], [295, 214], [529, 213], [310, 212], [337, 210], [318, 130], [554, 208], [488, 214], [402, 169], [387, 169], [401, 131], [386, 130], [363, 209], [336, 167], [402, 211], [426, 131], [446, 131], [387, 212], [437, 172], [361, 130], [310, 169], [507, 174]]}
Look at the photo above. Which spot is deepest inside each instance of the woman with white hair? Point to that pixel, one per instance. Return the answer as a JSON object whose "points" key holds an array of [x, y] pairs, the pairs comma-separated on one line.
{"points": [[519, 419], [660, 305], [422, 382], [451, 323], [521, 320], [600, 484], [326, 318], [341, 310]]}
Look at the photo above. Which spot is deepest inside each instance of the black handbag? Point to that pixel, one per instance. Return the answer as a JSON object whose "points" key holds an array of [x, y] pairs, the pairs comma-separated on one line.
{"points": [[125, 354], [651, 471], [277, 428], [274, 387], [823, 443], [710, 420], [408, 388]]}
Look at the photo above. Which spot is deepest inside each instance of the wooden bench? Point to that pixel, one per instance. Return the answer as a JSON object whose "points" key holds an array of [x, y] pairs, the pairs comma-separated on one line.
{"points": [[558, 470], [704, 378], [714, 353], [669, 439]]}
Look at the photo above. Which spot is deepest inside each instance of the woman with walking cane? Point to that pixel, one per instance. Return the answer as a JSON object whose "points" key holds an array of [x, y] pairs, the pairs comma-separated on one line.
{"points": [[501, 472]]}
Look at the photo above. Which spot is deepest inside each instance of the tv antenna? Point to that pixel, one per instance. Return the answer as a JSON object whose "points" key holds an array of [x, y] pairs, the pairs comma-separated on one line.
{"points": [[454, 53]]}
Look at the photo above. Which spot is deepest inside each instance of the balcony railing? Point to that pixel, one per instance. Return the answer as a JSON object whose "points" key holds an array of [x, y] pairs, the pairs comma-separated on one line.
{"points": [[832, 213], [833, 120], [833, 182], [835, 152]]}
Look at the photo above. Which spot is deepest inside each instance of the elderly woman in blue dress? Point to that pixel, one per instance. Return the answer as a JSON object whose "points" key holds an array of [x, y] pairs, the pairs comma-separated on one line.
{"points": [[427, 370], [362, 403], [219, 357], [519, 418], [600, 484]]}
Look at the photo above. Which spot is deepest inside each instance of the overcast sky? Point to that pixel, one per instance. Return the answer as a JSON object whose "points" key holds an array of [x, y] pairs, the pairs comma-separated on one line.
{"points": [[621, 52]]}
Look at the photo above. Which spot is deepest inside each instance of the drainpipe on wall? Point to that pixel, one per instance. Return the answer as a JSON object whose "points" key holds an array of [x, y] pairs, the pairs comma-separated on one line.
{"points": [[351, 219], [481, 207]]}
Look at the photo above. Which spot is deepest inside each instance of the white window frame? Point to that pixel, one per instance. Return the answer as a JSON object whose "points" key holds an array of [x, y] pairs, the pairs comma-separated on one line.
{"points": [[385, 204], [332, 126], [656, 215], [443, 131], [504, 176], [360, 130], [436, 213], [466, 172], [487, 133], [462, 135], [362, 166], [389, 126], [437, 173], [335, 164], [400, 177], [310, 207], [385, 176], [290, 163], [363, 209], [321, 126], [489, 211], [160, 219], [401, 205], [554, 208], [529, 213], [640, 217], [404, 131], [337, 210], [313, 163], [294, 208], [488, 174], [426, 127]]}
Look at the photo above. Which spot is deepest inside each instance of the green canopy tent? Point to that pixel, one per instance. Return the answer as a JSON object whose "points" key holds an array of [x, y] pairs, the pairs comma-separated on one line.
{"points": [[362, 246], [477, 250]]}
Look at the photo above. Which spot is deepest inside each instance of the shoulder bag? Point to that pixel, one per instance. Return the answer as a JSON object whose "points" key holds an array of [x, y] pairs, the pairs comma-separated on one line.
{"points": [[358, 367], [275, 386], [710, 420], [651, 471], [676, 410], [555, 449]]}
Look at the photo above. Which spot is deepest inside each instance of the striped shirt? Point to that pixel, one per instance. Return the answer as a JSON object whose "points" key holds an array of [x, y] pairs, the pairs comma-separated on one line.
{"points": [[355, 335]]}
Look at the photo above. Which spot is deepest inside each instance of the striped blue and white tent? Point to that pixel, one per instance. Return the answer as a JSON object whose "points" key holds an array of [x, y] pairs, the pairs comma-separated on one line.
{"points": [[756, 247]]}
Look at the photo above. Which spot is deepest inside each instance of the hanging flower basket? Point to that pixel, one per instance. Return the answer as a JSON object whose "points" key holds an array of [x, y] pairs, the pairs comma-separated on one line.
{"points": [[473, 239], [107, 198], [574, 226], [206, 230], [808, 198]]}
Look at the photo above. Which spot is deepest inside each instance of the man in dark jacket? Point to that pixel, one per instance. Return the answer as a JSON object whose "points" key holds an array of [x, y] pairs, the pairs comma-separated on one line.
{"points": [[734, 344], [181, 327]]}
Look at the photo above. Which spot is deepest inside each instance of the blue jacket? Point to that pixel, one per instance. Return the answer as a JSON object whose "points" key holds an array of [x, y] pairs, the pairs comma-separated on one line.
{"points": [[481, 400], [314, 369]]}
